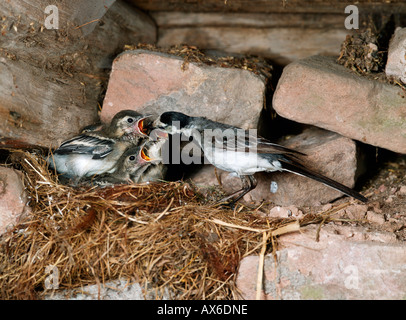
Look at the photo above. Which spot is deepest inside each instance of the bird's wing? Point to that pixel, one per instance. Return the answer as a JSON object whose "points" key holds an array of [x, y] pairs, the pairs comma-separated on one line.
{"points": [[105, 179], [98, 147], [244, 141], [265, 146]]}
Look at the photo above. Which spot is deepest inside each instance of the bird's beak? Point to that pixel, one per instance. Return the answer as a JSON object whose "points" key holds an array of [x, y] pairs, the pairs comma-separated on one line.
{"points": [[159, 125], [158, 133], [139, 126], [143, 158]]}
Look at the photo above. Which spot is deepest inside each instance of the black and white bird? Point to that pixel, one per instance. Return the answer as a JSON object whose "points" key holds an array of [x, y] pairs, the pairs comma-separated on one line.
{"points": [[139, 163], [238, 151], [96, 151]]}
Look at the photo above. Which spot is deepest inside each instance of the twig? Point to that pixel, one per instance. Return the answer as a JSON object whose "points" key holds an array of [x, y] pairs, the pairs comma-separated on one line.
{"points": [[181, 270], [221, 286], [226, 224], [86, 23], [46, 180], [261, 267], [217, 177], [319, 228], [165, 211], [130, 218], [291, 227], [326, 215]]}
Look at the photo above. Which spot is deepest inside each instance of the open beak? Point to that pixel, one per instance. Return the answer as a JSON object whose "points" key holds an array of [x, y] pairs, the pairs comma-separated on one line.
{"points": [[140, 128], [143, 158]]}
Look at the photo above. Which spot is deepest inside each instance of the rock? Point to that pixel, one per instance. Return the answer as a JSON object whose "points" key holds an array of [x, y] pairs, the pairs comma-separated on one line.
{"points": [[325, 8], [376, 206], [402, 190], [326, 207], [329, 269], [152, 83], [375, 217], [389, 199], [119, 289], [328, 153], [272, 35], [318, 91], [13, 199], [356, 211], [52, 79], [285, 212], [382, 188], [396, 63], [279, 212], [382, 236]]}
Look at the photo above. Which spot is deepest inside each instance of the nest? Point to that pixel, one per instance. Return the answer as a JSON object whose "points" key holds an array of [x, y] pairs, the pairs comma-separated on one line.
{"points": [[365, 53], [360, 53], [161, 235]]}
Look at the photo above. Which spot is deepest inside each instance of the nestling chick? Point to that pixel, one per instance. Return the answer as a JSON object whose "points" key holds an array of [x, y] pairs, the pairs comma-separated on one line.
{"points": [[97, 151], [139, 163]]}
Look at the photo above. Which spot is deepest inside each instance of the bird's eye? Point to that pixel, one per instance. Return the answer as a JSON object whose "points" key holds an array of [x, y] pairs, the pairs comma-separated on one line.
{"points": [[132, 158], [130, 120]]}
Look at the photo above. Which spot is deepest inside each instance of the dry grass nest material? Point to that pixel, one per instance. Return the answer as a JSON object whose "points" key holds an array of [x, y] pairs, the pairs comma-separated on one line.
{"points": [[365, 53], [161, 235], [257, 65], [360, 53]]}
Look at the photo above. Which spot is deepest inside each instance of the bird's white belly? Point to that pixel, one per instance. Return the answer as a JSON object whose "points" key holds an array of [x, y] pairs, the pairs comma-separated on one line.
{"points": [[242, 163], [82, 165]]}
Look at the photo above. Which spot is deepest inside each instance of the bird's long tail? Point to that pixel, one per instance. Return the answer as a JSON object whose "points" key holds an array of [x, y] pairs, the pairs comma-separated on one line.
{"points": [[302, 171]]}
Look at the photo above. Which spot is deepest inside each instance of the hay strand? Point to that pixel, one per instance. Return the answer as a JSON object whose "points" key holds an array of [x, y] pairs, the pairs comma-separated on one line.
{"points": [[261, 267], [157, 234]]}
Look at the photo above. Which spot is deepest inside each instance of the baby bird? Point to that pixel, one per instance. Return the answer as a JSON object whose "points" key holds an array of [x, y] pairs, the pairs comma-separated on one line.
{"points": [[155, 169], [97, 151], [92, 127], [139, 163]]}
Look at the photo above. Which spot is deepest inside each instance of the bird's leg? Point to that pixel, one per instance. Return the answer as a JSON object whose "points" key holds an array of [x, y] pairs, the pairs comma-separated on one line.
{"points": [[234, 193], [217, 177], [249, 183]]}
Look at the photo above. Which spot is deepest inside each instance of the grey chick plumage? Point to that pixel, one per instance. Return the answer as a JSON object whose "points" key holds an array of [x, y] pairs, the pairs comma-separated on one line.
{"points": [[97, 151], [135, 165]]}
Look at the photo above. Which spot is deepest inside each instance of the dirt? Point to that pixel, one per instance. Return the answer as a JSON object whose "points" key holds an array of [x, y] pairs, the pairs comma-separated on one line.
{"points": [[384, 215], [386, 191], [365, 53]]}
